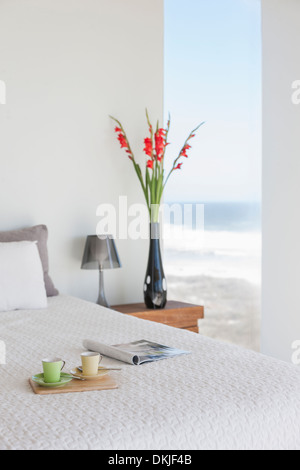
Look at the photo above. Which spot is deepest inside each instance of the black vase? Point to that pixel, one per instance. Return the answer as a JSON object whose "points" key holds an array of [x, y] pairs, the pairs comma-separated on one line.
{"points": [[155, 286]]}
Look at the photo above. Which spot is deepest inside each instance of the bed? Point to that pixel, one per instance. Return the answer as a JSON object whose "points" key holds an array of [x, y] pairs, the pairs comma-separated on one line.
{"points": [[218, 397]]}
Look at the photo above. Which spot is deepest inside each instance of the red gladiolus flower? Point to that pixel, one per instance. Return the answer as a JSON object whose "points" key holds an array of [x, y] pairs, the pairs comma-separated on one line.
{"points": [[148, 147], [184, 150], [159, 143], [178, 167], [122, 141], [150, 164], [153, 182]]}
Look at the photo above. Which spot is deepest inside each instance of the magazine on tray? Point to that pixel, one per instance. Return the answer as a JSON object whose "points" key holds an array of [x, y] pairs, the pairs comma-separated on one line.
{"points": [[136, 352]]}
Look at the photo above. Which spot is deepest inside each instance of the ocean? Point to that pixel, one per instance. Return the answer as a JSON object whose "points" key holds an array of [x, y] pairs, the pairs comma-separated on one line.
{"points": [[219, 266], [226, 245]]}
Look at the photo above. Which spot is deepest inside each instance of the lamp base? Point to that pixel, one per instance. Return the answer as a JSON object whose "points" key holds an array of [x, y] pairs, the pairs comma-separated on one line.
{"points": [[101, 298], [102, 301]]}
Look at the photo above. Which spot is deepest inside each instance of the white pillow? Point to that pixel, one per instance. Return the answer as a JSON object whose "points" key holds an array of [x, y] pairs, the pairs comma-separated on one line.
{"points": [[21, 277]]}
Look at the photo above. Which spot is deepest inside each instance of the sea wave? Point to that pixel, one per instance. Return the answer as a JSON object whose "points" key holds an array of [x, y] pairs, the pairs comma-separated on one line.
{"points": [[213, 253]]}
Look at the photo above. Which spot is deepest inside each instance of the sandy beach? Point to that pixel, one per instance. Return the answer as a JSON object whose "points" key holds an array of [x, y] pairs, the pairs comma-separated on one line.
{"points": [[232, 306]]}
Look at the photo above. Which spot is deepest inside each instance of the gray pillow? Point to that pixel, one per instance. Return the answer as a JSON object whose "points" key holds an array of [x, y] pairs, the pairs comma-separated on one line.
{"points": [[38, 233]]}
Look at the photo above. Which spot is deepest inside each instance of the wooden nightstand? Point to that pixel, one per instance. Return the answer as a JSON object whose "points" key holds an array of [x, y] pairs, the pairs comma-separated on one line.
{"points": [[177, 314]]}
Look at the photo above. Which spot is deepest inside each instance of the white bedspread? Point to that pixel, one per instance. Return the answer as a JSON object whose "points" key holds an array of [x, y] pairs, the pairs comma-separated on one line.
{"points": [[219, 397]]}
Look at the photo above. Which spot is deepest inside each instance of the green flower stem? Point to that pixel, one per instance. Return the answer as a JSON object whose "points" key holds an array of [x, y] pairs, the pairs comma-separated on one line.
{"points": [[179, 155]]}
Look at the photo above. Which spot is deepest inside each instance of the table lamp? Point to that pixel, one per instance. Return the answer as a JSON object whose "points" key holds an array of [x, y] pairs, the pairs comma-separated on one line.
{"points": [[100, 253]]}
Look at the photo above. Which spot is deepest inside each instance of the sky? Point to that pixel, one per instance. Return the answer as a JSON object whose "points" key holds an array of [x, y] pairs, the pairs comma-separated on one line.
{"points": [[213, 74]]}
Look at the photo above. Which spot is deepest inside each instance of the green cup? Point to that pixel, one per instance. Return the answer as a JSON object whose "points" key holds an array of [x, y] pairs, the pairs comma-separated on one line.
{"points": [[52, 369]]}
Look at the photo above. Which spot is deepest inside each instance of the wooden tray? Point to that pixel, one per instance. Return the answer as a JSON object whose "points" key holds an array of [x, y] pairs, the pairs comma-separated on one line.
{"points": [[106, 383]]}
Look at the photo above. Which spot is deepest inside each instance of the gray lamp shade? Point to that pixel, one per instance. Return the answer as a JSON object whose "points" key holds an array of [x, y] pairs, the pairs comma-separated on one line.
{"points": [[100, 253]]}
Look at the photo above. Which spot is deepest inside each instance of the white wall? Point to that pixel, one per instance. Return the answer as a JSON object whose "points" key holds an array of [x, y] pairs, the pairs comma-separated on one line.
{"points": [[67, 65], [281, 178]]}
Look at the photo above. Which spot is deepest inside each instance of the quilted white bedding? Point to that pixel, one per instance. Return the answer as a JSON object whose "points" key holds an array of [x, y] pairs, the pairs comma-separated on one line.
{"points": [[219, 397]]}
